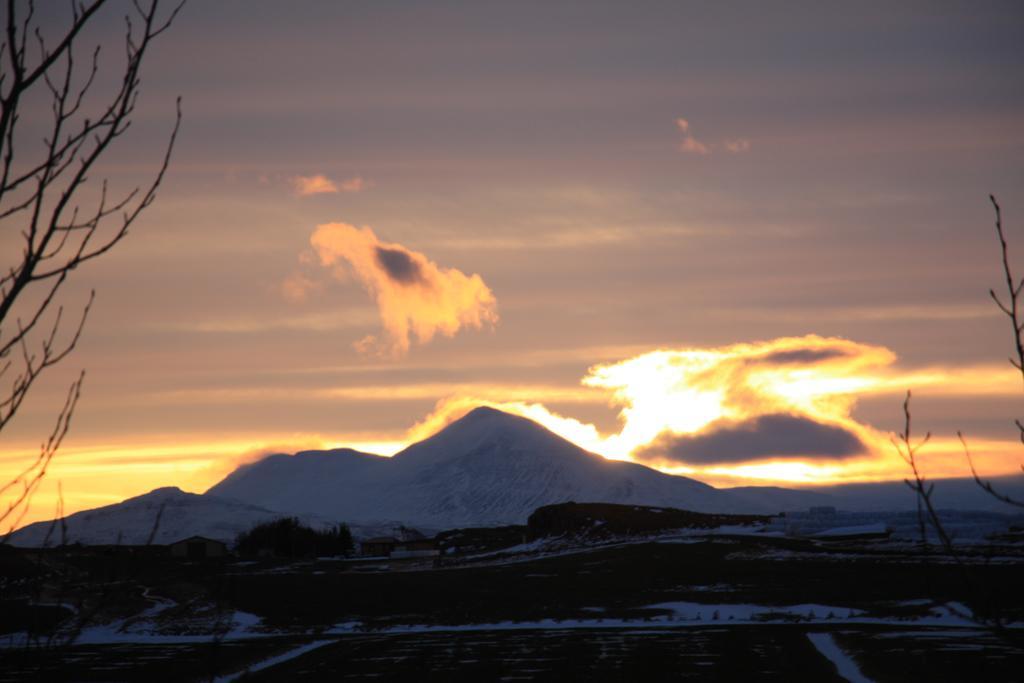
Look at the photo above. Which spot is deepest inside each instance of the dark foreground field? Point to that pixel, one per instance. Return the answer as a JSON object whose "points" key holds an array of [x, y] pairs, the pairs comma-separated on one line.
{"points": [[737, 653], [722, 653], [711, 608]]}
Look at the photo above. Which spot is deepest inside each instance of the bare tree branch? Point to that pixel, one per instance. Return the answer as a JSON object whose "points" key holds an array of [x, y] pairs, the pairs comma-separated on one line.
{"points": [[986, 485], [907, 450], [44, 195], [1013, 313]]}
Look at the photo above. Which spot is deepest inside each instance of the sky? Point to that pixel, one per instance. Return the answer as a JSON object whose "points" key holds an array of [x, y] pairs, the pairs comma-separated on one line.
{"points": [[720, 239]]}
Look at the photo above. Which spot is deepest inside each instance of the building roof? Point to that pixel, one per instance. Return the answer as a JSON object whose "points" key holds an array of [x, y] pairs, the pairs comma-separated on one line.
{"points": [[198, 538], [381, 539]]}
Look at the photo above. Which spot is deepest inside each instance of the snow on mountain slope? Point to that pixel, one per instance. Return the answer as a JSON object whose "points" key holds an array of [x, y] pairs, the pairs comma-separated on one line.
{"points": [[131, 522], [493, 467], [487, 468], [310, 481]]}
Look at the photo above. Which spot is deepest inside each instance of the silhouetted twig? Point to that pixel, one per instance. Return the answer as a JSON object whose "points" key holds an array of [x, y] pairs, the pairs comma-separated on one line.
{"points": [[986, 485], [907, 450]]}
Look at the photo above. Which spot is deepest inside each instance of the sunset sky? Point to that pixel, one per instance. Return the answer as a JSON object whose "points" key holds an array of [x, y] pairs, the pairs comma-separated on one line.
{"points": [[719, 239]]}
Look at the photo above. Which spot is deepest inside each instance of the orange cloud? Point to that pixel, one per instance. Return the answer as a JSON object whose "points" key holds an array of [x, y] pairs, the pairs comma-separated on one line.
{"points": [[306, 186], [415, 297]]}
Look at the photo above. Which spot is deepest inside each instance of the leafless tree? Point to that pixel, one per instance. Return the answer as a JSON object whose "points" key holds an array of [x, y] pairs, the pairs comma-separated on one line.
{"points": [[908, 450], [1011, 309], [49, 202], [923, 490]]}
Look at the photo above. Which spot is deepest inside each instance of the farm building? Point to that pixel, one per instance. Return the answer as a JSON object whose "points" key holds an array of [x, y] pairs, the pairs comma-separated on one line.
{"points": [[387, 546], [381, 546], [421, 547], [198, 548]]}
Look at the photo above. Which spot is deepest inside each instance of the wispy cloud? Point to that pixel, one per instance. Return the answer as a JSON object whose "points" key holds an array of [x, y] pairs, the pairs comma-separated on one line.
{"points": [[415, 297], [297, 287], [689, 143], [737, 145], [356, 184], [307, 186]]}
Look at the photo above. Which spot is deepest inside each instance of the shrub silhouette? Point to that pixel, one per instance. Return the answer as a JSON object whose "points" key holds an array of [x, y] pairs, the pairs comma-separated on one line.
{"points": [[287, 537]]}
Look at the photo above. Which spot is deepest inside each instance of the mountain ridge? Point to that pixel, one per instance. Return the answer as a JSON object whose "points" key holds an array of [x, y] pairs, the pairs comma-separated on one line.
{"points": [[165, 515], [487, 468]]}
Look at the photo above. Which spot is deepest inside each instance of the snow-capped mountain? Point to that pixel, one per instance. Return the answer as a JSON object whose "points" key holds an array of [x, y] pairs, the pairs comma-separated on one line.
{"points": [[181, 514], [131, 522], [487, 468]]}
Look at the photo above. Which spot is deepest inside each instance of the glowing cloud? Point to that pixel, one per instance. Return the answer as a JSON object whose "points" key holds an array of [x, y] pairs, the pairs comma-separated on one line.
{"points": [[780, 406], [667, 394], [415, 297]]}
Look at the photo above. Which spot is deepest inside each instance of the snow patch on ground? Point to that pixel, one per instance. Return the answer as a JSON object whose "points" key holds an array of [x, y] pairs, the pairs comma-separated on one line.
{"points": [[692, 614], [845, 665], [695, 611], [145, 629], [275, 660], [863, 529]]}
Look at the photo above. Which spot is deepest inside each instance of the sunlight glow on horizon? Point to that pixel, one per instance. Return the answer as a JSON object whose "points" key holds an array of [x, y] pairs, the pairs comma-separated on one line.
{"points": [[694, 391], [675, 392], [684, 391]]}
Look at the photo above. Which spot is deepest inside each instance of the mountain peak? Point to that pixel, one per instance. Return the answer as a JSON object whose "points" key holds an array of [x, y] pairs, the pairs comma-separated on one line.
{"points": [[487, 467], [492, 416], [481, 412], [492, 419], [492, 430], [162, 493]]}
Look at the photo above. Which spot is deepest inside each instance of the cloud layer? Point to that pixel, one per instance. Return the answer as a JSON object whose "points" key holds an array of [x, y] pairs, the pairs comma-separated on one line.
{"points": [[416, 298], [765, 436]]}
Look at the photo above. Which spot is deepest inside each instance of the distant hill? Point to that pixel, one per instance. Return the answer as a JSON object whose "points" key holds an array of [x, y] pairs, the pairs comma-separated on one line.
{"points": [[181, 514], [950, 494], [488, 468]]}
